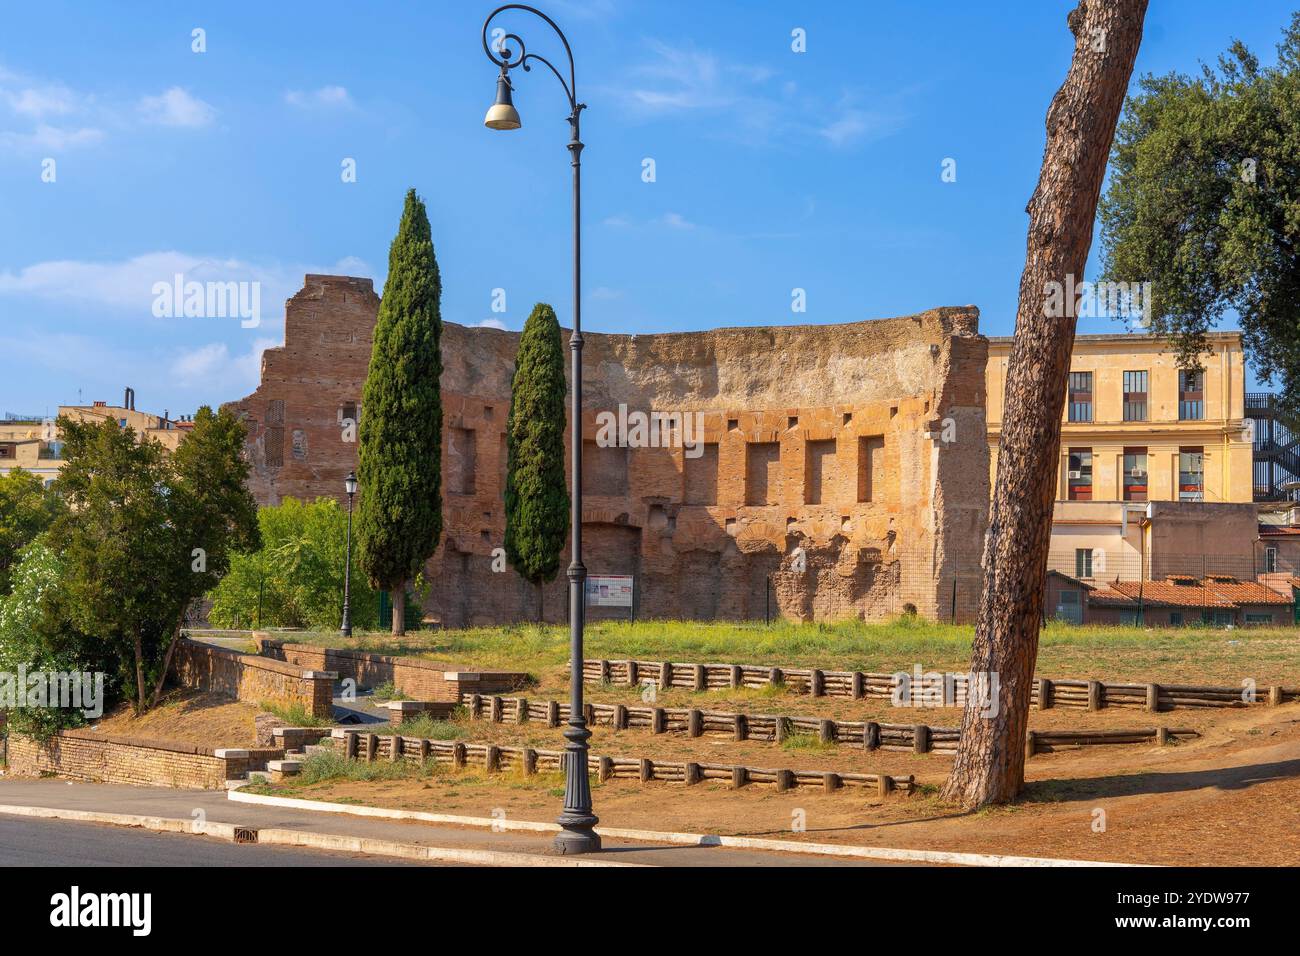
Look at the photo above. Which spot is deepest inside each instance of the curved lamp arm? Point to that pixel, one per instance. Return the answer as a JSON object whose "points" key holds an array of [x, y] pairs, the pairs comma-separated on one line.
{"points": [[507, 59]]}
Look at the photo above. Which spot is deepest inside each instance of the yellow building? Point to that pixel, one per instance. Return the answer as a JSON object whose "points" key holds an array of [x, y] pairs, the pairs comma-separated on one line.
{"points": [[1137, 429], [35, 445]]}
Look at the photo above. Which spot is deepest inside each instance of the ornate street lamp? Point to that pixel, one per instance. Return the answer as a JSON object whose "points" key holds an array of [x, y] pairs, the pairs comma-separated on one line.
{"points": [[577, 822], [350, 486]]}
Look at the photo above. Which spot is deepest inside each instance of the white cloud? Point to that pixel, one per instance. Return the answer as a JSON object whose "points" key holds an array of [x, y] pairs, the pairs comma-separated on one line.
{"points": [[214, 365], [489, 324], [325, 97], [40, 101], [51, 138], [28, 100], [675, 220], [748, 102], [125, 287], [603, 293], [176, 107]]}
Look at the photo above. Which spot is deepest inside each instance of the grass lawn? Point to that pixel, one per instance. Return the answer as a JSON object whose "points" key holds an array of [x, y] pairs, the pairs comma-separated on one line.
{"points": [[1188, 655]]}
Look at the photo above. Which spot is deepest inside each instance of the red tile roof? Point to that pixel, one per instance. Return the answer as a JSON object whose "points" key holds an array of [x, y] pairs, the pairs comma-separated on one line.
{"points": [[1220, 593]]}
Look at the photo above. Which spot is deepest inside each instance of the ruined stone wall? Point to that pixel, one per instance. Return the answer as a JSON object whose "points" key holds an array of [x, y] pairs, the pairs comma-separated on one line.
{"points": [[846, 465]]}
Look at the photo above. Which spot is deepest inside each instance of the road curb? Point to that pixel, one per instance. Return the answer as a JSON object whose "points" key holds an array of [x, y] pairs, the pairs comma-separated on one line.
{"points": [[680, 839], [280, 836]]}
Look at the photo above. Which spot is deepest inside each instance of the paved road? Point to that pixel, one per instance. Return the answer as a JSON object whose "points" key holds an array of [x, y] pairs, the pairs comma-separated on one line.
{"points": [[29, 842], [181, 804]]}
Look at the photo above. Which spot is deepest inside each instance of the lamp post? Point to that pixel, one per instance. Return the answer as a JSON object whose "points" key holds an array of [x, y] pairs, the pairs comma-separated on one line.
{"points": [[577, 822], [350, 486]]}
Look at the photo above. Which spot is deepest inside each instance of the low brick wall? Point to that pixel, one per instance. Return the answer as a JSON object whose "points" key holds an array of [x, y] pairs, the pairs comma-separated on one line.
{"points": [[97, 758], [415, 677], [253, 678]]}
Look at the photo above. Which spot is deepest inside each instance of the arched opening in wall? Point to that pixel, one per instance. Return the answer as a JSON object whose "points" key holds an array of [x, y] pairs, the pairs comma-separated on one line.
{"points": [[759, 601], [611, 549], [699, 584]]}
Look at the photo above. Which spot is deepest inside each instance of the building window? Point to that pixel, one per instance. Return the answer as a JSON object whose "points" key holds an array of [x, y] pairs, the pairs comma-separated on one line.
{"points": [[1191, 474], [763, 473], [1270, 560], [1135, 474], [1079, 477], [1191, 394], [819, 470], [1259, 618], [701, 476], [1080, 397], [8, 450], [1176, 618], [1083, 562], [1135, 396], [871, 467], [1217, 618]]}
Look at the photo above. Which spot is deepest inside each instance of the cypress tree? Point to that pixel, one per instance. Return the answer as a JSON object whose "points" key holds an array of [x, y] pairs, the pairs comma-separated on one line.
{"points": [[399, 508], [537, 499]]}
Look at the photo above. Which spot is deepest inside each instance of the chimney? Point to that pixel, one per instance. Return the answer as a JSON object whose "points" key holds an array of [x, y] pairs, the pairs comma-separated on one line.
{"points": [[128, 399]]}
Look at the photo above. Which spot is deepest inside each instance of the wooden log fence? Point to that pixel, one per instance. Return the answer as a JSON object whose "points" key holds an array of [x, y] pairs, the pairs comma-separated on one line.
{"points": [[868, 735], [928, 689], [369, 747]]}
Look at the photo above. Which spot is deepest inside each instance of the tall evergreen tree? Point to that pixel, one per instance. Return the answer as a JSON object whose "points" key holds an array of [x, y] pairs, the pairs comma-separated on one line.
{"points": [[399, 510], [537, 499]]}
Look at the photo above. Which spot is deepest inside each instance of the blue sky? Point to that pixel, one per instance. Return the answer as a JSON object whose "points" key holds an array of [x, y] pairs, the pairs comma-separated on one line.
{"points": [[774, 170]]}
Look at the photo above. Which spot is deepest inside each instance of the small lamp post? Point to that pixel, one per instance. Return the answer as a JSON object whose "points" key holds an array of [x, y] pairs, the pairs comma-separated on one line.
{"points": [[577, 822], [349, 485]]}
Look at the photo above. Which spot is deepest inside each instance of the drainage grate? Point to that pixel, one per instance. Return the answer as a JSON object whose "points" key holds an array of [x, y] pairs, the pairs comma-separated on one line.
{"points": [[245, 835]]}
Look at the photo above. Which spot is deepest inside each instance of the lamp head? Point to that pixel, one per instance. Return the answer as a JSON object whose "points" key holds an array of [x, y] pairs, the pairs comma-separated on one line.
{"points": [[350, 483], [502, 114]]}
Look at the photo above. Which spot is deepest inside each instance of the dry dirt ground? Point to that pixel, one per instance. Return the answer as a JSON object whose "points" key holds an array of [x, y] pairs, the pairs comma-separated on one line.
{"points": [[1226, 798], [205, 720]]}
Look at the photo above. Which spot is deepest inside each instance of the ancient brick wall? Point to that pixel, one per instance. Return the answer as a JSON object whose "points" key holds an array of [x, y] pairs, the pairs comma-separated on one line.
{"points": [[251, 678], [843, 473], [417, 679], [85, 755]]}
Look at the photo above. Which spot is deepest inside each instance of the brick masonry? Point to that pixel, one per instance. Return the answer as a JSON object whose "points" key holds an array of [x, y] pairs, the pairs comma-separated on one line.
{"points": [[86, 755], [845, 464], [251, 678], [415, 678]]}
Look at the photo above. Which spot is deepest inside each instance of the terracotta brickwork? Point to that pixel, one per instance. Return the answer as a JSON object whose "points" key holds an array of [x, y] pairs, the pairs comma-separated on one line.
{"points": [[417, 679], [843, 473], [86, 755], [251, 678]]}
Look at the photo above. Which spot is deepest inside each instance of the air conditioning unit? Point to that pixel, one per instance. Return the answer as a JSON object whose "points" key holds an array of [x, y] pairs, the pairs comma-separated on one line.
{"points": [[1137, 474], [1076, 474]]}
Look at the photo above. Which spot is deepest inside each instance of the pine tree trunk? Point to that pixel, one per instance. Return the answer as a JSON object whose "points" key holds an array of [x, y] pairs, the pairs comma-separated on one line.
{"points": [[1081, 120], [398, 594], [541, 603]]}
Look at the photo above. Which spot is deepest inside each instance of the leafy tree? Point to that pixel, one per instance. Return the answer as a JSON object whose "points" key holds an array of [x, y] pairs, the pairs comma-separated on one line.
{"points": [[399, 513], [145, 535], [35, 635], [297, 575], [537, 499], [1204, 202], [27, 508]]}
